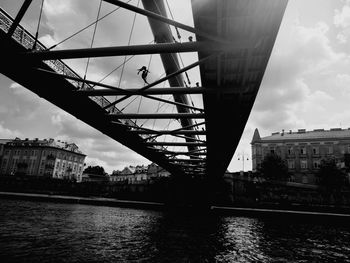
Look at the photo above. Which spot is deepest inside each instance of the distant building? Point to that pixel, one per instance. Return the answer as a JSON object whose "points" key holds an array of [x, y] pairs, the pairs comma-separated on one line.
{"points": [[139, 173], [49, 158], [2, 146], [96, 178], [303, 150], [155, 171]]}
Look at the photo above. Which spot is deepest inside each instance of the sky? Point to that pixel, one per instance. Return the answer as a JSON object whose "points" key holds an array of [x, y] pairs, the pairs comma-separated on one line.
{"points": [[306, 84]]}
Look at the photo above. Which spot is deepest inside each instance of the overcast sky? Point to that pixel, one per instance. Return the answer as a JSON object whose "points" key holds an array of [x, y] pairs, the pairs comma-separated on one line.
{"points": [[306, 84]]}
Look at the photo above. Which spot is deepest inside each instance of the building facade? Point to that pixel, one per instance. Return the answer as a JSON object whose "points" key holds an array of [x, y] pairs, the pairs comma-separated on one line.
{"points": [[303, 150], [46, 157]]}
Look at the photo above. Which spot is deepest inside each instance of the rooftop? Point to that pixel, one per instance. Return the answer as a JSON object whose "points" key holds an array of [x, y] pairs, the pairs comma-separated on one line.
{"points": [[72, 147], [302, 134], [4, 141]]}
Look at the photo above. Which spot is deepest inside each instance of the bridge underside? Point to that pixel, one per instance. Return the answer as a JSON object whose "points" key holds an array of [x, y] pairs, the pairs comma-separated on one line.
{"points": [[239, 72], [230, 78]]}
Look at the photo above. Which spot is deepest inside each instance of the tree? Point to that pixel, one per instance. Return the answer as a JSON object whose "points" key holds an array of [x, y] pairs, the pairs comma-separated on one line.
{"points": [[274, 168], [99, 170], [330, 176]]}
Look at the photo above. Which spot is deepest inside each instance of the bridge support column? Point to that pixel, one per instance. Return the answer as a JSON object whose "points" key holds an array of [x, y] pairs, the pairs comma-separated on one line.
{"points": [[196, 193]]}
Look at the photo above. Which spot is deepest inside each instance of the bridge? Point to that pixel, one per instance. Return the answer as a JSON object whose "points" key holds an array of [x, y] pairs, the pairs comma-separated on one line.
{"points": [[233, 40]]}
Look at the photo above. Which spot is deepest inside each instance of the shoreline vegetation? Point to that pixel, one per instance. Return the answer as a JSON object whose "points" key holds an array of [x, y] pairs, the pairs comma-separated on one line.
{"points": [[234, 195]]}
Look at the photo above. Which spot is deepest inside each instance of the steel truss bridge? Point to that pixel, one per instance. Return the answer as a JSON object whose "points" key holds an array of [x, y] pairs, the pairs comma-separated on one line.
{"points": [[234, 40]]}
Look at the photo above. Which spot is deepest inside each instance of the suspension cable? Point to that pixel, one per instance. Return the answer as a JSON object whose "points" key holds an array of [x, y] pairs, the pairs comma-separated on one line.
{"points": [[38, 26], [138, 108], [131, 31], [172, 17], [86, 27], [161, 96], [93, 38], [118, 67], [179, 37], [128, 104]]}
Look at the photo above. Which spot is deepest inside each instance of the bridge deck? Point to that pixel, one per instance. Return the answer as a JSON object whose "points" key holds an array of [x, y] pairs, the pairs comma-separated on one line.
{"points": [[239, 71]]}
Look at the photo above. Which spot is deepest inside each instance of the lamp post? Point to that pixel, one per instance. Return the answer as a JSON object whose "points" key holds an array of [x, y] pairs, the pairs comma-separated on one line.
{"points": [[242, 156]]}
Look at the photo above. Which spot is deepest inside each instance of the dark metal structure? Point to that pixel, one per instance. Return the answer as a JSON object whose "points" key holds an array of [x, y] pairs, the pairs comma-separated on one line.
{"points": [[234, 40]]}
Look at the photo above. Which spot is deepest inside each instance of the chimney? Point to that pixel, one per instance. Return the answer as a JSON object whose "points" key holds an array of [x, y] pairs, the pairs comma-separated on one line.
{"points": [[282, 132]]}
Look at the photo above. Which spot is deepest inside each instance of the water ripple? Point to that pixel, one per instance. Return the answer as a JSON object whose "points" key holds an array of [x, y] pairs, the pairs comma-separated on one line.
{"points": [[47, 232]]}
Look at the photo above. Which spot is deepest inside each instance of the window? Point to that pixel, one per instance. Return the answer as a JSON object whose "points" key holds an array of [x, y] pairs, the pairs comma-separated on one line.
{"points": [[272, 150], [303, 164], [4, 162], [258, 151], [330, 149], [316, 164], [291, 164], [254, 150], [290, 150], [302, 150], [315, 150]]}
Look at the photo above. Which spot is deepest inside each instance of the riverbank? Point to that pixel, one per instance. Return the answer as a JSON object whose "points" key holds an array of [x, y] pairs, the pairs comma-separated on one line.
{"points": [[100, 201]]}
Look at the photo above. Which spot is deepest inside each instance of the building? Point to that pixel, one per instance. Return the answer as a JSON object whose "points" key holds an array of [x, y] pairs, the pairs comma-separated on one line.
{"points": [[138, 174], [303, 150], [2, 146], [95, 178], [36, 157], [155, 171]]}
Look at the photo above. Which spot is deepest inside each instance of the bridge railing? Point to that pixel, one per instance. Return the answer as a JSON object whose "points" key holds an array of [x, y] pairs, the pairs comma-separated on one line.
{"points": [[27, 40]]}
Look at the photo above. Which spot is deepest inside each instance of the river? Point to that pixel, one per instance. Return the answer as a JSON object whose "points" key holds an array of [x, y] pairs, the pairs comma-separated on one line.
{"points": [[51, 232]]}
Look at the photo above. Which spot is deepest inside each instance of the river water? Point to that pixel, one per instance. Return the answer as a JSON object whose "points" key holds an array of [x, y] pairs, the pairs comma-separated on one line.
{"points": [[50, 232]]}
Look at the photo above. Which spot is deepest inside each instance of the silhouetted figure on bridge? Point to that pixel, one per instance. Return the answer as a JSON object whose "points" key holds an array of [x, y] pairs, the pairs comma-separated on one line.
{"points": [[144, 73]]}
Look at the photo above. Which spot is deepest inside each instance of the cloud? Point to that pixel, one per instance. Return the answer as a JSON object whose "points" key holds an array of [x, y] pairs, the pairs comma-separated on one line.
{"points": [[342, 82], [342, 17], [306, 84], [342, 21], [6, 133]]}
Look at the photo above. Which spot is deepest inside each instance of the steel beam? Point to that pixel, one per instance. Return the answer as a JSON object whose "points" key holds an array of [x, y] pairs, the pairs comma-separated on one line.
{"points": [[161, 18], [165, 132], [169, 76], [115, 89], [190, 160], [185, 153], [194, 138], [158, 116], [152, 91], [189, 127], [134, 50], [175, 143], [19, 17]]}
